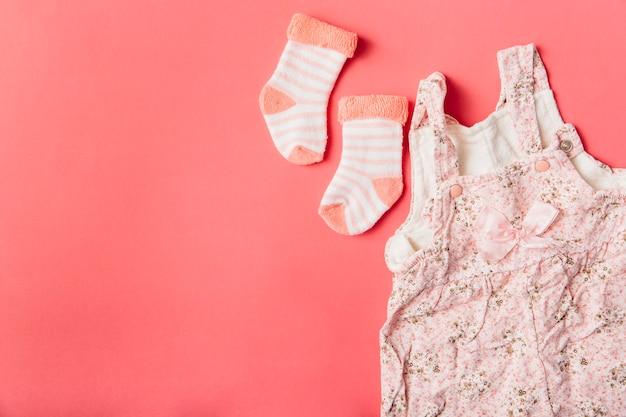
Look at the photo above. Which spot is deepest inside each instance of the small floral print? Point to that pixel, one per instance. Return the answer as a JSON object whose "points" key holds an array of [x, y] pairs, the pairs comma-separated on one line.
{"points": [[577, 362], [612, 320], [510, 177], [462, 331], [596, 272], [617, 377], [424, 366], [473, 386], [590, 409], [465, 211], [559, 191], [521, 400], [606, 208], [398, 405], [516, 348], [500, 299]]}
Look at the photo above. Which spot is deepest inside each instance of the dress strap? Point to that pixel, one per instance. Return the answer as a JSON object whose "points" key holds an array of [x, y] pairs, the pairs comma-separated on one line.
{"points": [[522, 74], [429, 112]]}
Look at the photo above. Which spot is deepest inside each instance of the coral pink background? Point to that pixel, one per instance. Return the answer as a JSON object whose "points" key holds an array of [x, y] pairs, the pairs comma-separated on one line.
{"points": [[158, 257]]}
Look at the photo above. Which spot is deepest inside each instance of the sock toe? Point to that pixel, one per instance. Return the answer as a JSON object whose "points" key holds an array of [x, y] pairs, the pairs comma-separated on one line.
{"points": [[304, 156], [335, 217]]}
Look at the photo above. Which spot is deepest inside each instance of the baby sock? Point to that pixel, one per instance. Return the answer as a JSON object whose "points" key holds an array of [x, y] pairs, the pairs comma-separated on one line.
{"points": [[294, 101], [369, 177]]}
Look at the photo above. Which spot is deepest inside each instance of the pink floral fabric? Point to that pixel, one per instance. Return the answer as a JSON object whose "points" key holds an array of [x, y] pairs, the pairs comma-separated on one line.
{"points": [[538, 330]]}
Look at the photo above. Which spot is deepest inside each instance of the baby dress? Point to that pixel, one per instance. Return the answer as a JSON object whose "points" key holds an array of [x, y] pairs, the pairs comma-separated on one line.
{"points": [[509, 274]]}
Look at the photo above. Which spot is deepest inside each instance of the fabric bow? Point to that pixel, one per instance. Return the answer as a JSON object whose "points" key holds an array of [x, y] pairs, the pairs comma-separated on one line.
{"points": [[498, 236]]}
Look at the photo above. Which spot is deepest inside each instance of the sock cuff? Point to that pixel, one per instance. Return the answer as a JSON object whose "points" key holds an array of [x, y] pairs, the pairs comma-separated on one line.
{"points": [[395, 108], [306, 29]]}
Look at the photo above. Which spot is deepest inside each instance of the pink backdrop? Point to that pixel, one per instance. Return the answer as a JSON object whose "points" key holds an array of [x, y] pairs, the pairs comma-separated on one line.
{"points": [[158, 257]]}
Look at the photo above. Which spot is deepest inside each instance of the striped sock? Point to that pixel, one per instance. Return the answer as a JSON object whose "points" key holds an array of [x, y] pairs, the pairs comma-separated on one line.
{"points": [[369, 177], [294, 101]]}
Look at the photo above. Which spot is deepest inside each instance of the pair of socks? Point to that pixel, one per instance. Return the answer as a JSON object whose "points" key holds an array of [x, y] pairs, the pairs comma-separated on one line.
{"points": [[294, 103]]}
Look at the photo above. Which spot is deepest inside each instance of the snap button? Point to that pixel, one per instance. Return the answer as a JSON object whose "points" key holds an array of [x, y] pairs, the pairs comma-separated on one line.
{"points": [[456, 190], [542, 166], [566, 146]]}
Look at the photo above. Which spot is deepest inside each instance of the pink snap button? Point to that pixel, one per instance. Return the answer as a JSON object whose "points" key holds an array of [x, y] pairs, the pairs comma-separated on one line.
{"points": [[542, 166], [456, 190]]}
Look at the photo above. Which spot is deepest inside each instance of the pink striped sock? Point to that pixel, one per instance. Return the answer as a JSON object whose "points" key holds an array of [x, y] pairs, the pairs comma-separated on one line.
{"points": [[294, 101], [368, 179]]}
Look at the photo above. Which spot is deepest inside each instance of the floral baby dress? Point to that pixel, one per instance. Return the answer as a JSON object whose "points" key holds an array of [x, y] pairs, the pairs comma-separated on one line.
{"points": [[509, 275]]}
